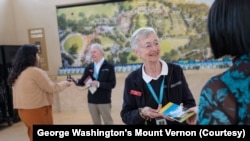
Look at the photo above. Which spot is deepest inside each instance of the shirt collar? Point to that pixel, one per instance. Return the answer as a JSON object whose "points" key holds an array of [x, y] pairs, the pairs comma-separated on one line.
{"points": [[164, 71], [98, 64]]}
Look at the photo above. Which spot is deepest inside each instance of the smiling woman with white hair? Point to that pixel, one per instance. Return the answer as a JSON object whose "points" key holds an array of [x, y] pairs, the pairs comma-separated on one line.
{"points": [[154, 84]]}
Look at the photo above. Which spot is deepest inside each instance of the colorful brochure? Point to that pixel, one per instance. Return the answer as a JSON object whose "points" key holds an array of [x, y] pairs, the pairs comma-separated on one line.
{"points": [[176, 112]]}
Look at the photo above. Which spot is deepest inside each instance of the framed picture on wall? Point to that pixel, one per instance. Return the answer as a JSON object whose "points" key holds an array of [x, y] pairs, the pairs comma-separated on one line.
{"points": [[37, 37]]}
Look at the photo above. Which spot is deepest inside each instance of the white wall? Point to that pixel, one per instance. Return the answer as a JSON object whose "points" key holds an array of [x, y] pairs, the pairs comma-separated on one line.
{"points": [[17, 16]]}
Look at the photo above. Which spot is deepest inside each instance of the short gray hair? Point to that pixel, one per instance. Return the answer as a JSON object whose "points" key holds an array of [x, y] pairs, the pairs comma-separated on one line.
{"points": [[140, 33], [98, 46]]}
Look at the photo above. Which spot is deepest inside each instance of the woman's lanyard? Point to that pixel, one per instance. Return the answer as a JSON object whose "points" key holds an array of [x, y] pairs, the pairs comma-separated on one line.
{"points": [[158, 100]]}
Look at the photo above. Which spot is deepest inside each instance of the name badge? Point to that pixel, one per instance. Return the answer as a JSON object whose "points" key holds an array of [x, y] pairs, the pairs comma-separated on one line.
{"points": [[161, 121]]}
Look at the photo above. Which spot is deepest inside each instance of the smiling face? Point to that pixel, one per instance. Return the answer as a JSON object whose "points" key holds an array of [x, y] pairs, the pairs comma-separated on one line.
{"points": [[148, 48]]}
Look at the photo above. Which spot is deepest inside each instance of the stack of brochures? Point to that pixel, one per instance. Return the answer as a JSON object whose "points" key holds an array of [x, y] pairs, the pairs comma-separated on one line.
{"points": [[176, 112]]}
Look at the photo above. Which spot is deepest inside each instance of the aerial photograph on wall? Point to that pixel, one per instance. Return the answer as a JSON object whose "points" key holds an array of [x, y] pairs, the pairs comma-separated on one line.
{"points": [[181, 26]]}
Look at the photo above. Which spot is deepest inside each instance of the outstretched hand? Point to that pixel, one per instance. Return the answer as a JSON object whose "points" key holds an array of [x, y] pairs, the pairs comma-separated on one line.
{"points": [[74, 79]]}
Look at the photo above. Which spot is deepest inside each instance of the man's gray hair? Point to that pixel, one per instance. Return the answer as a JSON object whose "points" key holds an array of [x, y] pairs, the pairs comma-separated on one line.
{"points": [[140, 33], [98, 46]]}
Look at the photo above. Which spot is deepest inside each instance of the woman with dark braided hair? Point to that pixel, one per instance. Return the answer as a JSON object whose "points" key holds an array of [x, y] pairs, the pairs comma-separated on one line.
{"points": [[32, 88]]}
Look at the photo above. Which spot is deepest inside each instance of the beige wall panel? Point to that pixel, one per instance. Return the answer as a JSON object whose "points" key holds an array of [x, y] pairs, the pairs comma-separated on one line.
{"points": [[41, 14], [7, 23]]}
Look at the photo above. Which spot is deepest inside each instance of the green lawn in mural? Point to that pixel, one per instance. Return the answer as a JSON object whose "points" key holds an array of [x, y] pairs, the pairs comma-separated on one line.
{"points": [[180, 25], [74, 40]]}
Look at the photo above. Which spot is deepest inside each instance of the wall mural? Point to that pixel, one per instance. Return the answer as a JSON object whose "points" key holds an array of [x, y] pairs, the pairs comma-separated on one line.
{"points": [[180, 25]]}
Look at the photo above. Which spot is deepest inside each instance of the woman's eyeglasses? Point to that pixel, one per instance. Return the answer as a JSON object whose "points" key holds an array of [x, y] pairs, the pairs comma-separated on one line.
{"points": [[150, 45]]}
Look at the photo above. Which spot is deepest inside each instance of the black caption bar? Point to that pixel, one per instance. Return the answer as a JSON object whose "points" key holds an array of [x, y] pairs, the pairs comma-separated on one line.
{"points": [[109, 132]]}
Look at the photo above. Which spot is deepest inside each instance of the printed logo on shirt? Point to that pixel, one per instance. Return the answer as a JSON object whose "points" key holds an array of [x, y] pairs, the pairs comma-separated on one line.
{"points": [[134, 92]]}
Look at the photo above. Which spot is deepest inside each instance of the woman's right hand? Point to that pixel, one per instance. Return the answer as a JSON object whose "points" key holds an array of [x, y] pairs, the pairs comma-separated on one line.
{"points": [[68, 83], [74, 79], [150, 112]]}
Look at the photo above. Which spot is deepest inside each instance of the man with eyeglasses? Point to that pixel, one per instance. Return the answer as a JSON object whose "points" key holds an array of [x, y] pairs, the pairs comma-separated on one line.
{"points": [[153, 85]]}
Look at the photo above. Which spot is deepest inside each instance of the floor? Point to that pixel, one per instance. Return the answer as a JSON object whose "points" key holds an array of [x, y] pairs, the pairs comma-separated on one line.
{"points": [[17, 131], [71, 112]]}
